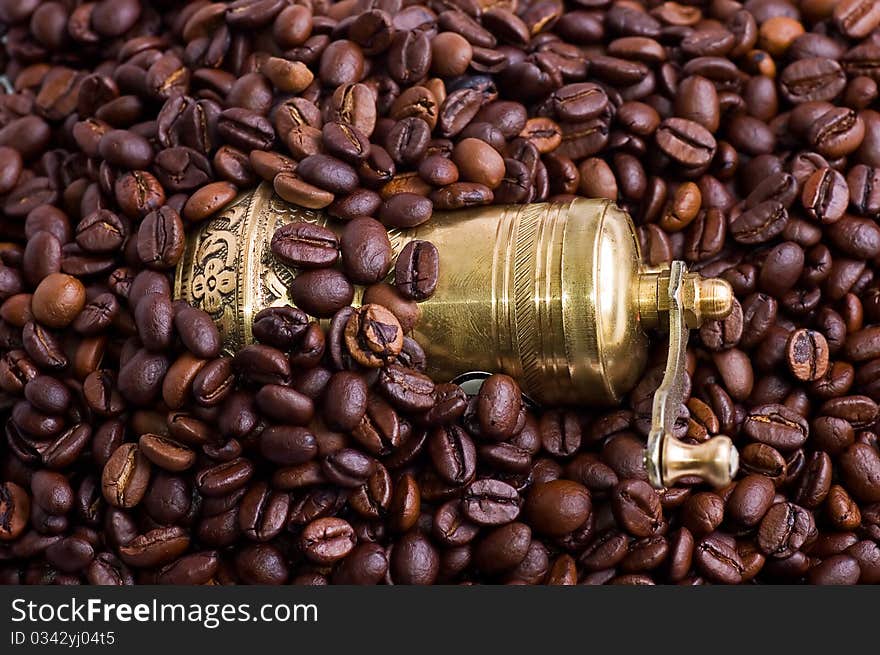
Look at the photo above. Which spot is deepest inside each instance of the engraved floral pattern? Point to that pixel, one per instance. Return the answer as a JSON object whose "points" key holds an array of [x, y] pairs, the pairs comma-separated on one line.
{"points": [[210, 286]]}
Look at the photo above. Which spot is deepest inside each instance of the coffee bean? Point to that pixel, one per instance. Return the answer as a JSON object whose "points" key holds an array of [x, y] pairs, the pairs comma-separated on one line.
{"points": [[784, 529], [702, 513], [807, 354], [453, 454], [686, 142], [478, 162], [57, 300], [558, 507], [208, 200], [718, 560], [347, 467], [776, 426], [417, 270], [812, 79], [750, 500], [299, 192], [197, 331], [373, 335], [825, 195], [225, 477], [856, 18], [160, 239], [490, 502], [406, 388], [637, 507], [166, 453], [154, 548], [860, 469], [760, 224], [321, 292], [305, 245], [125, 476], [414, 560]]}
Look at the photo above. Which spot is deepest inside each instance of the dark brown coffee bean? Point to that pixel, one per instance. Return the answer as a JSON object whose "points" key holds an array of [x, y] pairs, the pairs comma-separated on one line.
{"points": [[225, 477], [405, 210], [366, 250], [406, 388], [860, 470], [490, 502], [637, 508], [760, 224], [125, 476], [498, 407], [347, 467], [776, 426], [321, 292], [160, 239], [784, 529], [558, 507], [717, 559], [702, 513], [305, 245], [453, 454], [812, 79], [417, 270], [156, 547], [373, 336], [807, 354], [166, 453], [686, 142], [825, 195], [750, 500]]}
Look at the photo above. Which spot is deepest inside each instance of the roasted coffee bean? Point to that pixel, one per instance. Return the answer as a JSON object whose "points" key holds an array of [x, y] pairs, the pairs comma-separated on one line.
{"points": [[637, 507], [225, 477], [812, 79], [776, 426], [784, 529], [160, 239], [406, 388], [366, 250], [305, 245], [125, 476], [166, 453], [154, 548], [321, 292], [490, 502], [740, 138], [750, 500], [347, 467], [807, 354], [825, 195], [760, 223], [686, 142], [558, 507], [717, 559], [860, 469], [208, 200], [373, 335]]}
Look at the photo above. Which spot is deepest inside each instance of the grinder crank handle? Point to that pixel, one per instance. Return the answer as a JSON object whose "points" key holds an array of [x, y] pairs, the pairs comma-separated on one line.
{"points": [[668, 459]]}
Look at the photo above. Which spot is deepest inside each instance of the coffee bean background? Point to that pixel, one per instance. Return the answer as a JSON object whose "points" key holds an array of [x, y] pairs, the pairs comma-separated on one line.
{"points": [[743, 137]]}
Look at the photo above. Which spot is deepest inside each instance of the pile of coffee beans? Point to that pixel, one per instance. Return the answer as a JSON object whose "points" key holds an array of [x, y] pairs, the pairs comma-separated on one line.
{"points": [[742, 136]]}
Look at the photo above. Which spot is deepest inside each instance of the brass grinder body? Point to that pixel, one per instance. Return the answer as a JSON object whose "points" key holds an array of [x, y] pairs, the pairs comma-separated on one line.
{"points": [[553, 294], [547, 293]]}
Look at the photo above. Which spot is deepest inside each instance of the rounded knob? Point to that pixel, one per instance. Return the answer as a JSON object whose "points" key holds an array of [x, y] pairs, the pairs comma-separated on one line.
{"points": [[714, 298], [716, 461]]}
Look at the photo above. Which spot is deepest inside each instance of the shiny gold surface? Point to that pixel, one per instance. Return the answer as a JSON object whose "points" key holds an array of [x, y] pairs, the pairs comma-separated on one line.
{"points": [[552, 294], [716, 461], [666, 458]]}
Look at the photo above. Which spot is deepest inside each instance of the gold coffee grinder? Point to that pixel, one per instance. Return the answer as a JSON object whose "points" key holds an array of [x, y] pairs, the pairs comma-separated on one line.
{"points": [[553, 294]]}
